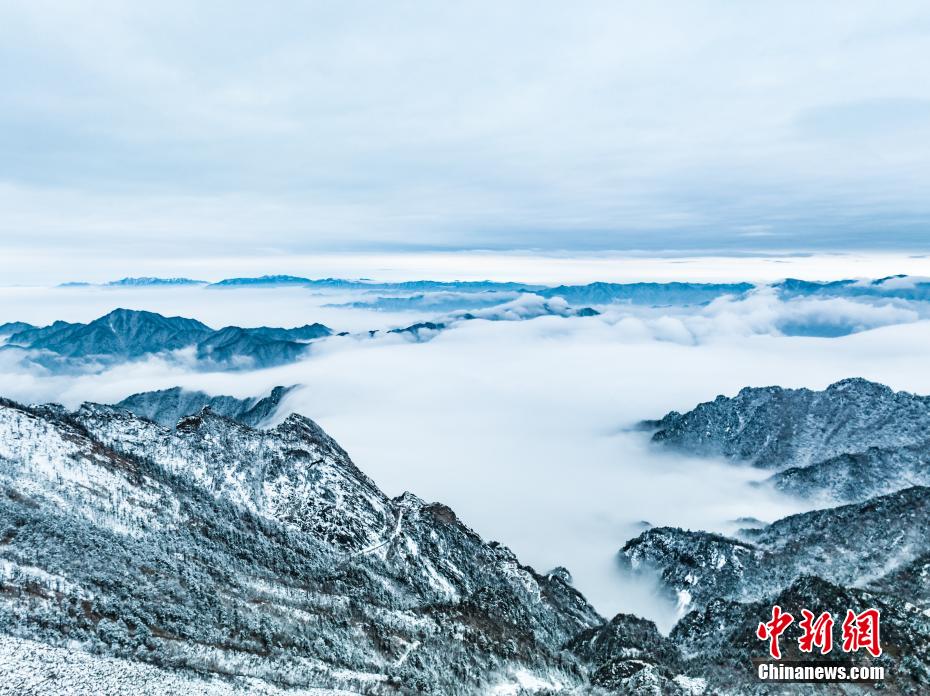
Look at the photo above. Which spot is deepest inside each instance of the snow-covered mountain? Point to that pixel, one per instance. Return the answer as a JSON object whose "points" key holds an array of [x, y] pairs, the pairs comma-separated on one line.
{"points": [[698, 567], [167, 406], [125, 334], [230, 554], [854, 440], [212, 557]]}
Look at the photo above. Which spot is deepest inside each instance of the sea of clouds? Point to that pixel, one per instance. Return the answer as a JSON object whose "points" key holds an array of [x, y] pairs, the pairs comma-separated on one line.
{"points": [[526, 427]]}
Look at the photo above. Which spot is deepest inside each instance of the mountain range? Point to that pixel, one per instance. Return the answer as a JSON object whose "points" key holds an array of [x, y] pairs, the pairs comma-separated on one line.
{"points": [[897, 286], [226, 557], [656, 293], [125, 334], [210, 556], [852, 441]]}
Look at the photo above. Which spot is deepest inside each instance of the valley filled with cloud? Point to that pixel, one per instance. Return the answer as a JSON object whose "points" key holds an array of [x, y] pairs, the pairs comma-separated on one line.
{"points": [[510, 405]]}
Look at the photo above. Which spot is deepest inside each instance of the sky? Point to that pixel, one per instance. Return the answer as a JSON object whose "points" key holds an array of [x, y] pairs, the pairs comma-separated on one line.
{"points": [[184, 132]]}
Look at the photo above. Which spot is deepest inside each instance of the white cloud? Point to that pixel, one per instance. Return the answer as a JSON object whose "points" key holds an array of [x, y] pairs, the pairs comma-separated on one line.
{"points": [[521, 426]]}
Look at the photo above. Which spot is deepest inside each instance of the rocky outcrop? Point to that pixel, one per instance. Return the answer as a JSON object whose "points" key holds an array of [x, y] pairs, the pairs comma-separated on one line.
{"points": [[167, 406]]}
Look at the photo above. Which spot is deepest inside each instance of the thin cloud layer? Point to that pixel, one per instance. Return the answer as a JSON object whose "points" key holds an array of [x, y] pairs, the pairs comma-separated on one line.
{"points": [[184, 131]]}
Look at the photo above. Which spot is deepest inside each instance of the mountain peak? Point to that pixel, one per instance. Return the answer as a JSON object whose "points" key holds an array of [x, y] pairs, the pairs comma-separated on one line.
{"points": [[779, 428], [126, 334], [149, 280], [859, 384]]}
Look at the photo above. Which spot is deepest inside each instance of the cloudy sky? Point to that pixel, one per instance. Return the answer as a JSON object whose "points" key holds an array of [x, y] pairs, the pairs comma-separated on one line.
{"points": [[183, 130]]}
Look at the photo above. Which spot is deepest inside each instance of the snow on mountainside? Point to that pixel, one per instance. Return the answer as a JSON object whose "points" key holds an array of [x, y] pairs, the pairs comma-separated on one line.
{"points": [[125, 334], [214, 557], [30, 667], [854, 440], [724, 634], [858, 475], [774, 427], [167, 406], [697, 567], [247, 554]]}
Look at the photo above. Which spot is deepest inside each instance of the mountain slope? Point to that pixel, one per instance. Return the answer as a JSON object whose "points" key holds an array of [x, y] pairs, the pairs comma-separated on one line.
{"points": [[125, 334], [225, 559], [852, 441], [247, 554], [697, 567], [167, 406], [774, 427]]}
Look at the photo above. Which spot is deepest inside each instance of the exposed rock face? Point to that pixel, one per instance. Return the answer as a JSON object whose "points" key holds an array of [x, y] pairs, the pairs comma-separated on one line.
{"points": [[128, 334], [852, 441], [167, 406]]}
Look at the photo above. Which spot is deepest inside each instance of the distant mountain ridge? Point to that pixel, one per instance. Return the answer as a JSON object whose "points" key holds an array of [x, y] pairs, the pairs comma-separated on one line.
{"points": [[346, 284], [125, 334], [897, 286], [672, 293], [140, 281], [148, 281], [657, 293], [854, 440]]}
